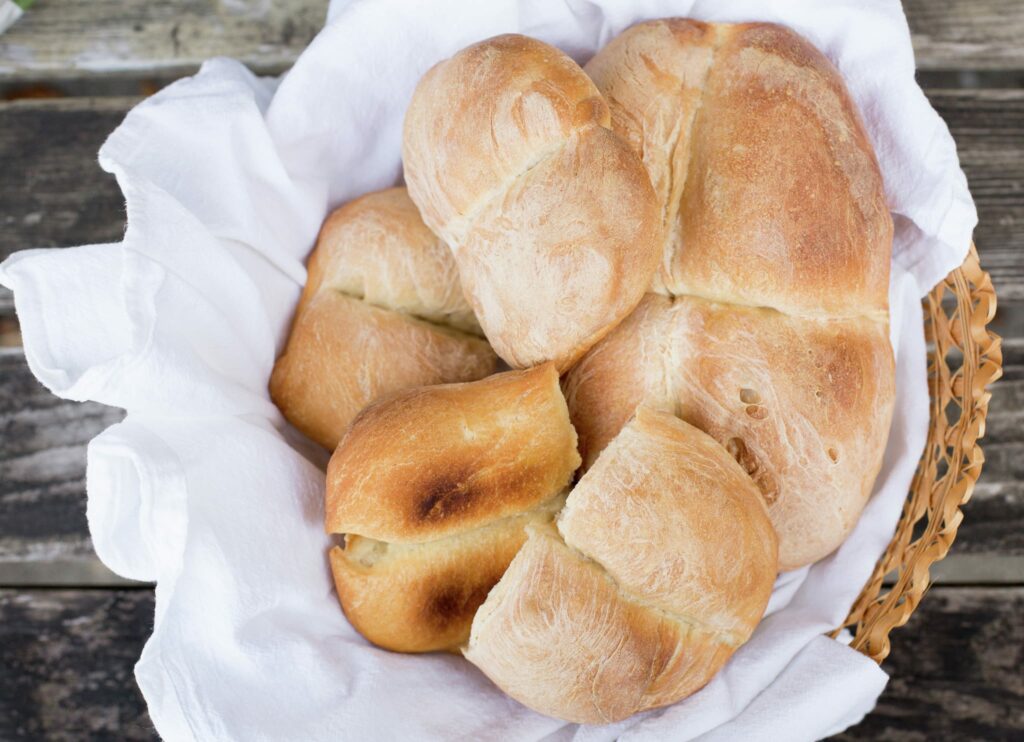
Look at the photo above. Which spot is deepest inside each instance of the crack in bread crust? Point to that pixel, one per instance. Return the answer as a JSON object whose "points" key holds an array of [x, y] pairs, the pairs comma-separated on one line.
{"points": [[729, 638], [381, 549]]}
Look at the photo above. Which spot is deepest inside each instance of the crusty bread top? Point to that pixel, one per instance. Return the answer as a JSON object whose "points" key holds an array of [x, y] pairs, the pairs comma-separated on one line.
{"points": [[770, 191], [481, 119], [557, 635], [669, 489], [432, 462], [344, 353], [382, 310], [661, 565], [378, 249], [549, 282], [551, 216], [803, 404]]}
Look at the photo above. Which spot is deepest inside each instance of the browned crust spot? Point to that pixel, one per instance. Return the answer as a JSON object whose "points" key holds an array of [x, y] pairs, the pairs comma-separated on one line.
{"points": [[456, 603], [445, 496]]}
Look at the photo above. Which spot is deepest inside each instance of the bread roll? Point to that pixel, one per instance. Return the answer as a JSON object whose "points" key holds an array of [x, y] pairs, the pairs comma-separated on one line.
{"points": [[774, 213], [434, 487], [551, 217], [803, 404], [769, 188], [660, 566], [382, 310]]}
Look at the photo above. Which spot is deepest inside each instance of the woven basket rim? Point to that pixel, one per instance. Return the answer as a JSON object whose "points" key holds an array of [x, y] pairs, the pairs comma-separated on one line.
{"points": [[957, 314]]}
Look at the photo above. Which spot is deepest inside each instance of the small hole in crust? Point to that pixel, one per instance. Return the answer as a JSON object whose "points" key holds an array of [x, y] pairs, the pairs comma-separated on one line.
{"points": [[749, 396], [756, 412], [764, 481], [833, 454]]}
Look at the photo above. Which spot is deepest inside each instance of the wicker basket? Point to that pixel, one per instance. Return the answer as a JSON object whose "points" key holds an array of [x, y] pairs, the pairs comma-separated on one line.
{"points": [[964, 357]]}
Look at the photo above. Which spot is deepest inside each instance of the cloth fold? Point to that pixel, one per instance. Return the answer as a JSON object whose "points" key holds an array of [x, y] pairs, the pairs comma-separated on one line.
{"points": [[206, 490]]}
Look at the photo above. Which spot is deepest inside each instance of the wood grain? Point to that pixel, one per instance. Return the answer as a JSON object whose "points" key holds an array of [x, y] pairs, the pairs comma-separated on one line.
{"points": [[66, 664], [956, 671], [988, 126], [63, 39], [52, 191], [66, 661], [68, 39], [42, 468], [967, 34]]}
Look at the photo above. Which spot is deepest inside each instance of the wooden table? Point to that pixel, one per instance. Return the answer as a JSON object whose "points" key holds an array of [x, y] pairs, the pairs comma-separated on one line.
{"points": [[70, 631]]}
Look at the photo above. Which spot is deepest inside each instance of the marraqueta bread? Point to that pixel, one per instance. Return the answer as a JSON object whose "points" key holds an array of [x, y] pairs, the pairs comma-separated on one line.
{"points": [[551, 217], [803, 404], [772, 331], [660, 566], [433, 488], [382, 310]]}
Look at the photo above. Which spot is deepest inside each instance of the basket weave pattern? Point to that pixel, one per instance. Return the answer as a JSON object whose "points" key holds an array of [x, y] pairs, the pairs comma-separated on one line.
{"points": [[964, 357]]}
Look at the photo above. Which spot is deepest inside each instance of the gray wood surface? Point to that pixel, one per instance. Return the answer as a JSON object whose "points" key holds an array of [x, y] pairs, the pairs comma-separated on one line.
{"points": [[66, 664], [68, 40], [956, 671], [966, 34], [63, 40], [43, 533]]}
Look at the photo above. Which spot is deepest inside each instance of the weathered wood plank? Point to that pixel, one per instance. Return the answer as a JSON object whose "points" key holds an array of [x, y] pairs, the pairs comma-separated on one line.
{"points": [[53, 192], [66, 664], [956, 671], [969, 34], [76, 38], [66, 661], [85, 38], [42, 468], [988, 126]]}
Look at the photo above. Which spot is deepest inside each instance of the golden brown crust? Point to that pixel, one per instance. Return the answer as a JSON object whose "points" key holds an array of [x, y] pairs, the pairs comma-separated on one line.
{"points": [[434, 487], [483, 117], [771, 198], [556, 635], [430, 462], [556, 263], [804, 405], [422, 597], [653, 76], [344, 353], [660, 567], [359, 333], [772, 195], [507, 154]]}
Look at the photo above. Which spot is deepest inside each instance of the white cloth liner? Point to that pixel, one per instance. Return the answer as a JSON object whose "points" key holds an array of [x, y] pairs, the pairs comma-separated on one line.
{"points": [[204, 489]]}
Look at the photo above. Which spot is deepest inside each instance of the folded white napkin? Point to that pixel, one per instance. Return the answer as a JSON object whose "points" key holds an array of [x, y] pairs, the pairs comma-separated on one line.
{"points": [[204, 489]]}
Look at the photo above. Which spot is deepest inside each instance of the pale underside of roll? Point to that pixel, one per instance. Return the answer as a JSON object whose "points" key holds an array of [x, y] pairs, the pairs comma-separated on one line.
{"points": [[660, 566], [382, 310], [772, 329]]}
